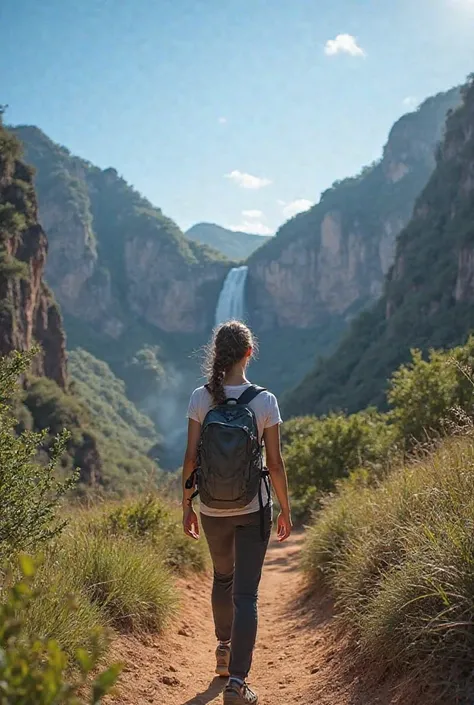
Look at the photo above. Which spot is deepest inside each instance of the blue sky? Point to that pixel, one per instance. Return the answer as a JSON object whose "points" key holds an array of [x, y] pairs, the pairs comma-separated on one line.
{"points": [[232, 111]]}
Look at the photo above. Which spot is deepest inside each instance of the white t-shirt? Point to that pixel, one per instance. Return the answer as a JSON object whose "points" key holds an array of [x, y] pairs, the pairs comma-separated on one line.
{"points": [[267, 413]]}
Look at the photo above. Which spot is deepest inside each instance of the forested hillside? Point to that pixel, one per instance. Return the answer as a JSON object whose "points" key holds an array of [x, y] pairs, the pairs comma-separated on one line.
{"points": [[428, 294]]}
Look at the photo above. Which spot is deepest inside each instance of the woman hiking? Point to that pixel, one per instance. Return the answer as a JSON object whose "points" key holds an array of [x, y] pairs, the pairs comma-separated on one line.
{"points": [[229, 419]]}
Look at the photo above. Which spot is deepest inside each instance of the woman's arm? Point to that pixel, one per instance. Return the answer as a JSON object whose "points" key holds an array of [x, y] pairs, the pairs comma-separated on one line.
{"points": [[276, 468], [190, 520]]}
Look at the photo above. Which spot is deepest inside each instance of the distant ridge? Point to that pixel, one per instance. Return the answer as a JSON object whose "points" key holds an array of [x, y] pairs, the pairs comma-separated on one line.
{"points": [[234, 244]]}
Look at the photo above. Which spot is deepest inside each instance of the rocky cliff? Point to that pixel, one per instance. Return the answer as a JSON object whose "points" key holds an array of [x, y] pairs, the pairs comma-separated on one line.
{"points": [[28, 311], [332, 259], [428, 298], [113, 256]]}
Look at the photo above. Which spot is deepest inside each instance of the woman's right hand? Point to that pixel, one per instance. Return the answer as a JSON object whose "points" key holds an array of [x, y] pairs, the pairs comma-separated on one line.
{"points": [[190, 522], [284, 525]]}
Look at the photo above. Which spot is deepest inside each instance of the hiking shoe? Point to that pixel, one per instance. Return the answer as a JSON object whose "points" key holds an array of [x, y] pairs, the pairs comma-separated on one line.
{"points": [[236, 694], [223, 660]]}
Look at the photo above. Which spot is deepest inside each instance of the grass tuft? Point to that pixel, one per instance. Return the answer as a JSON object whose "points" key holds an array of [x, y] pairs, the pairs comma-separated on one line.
{"points": [[126, 579]]}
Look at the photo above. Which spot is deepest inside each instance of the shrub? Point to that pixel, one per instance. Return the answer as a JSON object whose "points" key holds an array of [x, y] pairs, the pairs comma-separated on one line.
{"points": [[399, 558], [36, 670], [318, 452], [29, 492], [424, 393]]}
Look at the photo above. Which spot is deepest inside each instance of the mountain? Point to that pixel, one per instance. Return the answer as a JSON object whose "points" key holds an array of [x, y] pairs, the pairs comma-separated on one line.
{"points": [[233, 244], [29, 315], [109, 437], [327, 264], [428, 297], [28, 311], [330, 262], [114, 257]]}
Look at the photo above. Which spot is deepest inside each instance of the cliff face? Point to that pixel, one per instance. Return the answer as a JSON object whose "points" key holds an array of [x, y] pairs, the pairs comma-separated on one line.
{"points": [[113, 256], [28, 311], [172, 290], [333, 258], [428, 298]]}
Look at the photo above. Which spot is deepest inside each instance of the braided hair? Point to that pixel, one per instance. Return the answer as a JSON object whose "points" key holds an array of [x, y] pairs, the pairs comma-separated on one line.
{"points": [[230, 342]]}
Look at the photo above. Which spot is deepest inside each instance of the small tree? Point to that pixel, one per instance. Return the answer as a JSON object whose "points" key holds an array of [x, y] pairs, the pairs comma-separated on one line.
{"points": [[424, 394], [29, 491], [321, 451]]}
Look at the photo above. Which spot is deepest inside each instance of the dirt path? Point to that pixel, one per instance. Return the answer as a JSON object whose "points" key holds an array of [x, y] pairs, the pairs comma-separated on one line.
{"points": [[294, 661]]}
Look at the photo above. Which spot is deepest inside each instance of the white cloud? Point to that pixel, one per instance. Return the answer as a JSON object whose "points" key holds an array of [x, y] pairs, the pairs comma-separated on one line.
{"points": [[247, 180], [343, 44], [410, 102], [252, 214], [294, 207], [252, 223], [252, 226], [222, 120]]}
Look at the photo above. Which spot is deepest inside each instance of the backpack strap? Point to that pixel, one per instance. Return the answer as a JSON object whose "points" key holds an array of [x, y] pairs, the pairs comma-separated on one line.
{"points": [[250, 394]]}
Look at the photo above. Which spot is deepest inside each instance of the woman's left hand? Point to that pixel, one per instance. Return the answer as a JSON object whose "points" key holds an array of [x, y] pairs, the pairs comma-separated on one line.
{"points": [[190, 523]]}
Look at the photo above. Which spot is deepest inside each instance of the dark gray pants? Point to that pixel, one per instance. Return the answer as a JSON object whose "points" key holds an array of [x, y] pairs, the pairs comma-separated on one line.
{"points": [[237, 552]]}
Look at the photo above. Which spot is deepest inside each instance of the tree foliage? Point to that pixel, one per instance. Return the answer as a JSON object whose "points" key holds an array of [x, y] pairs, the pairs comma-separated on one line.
{"points": [[29, 491], [428, 397], [320, 451]]}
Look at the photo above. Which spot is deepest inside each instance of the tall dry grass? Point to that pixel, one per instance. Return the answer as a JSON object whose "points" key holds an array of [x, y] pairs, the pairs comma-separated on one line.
{"points": [[115, 564], [399, 559]]}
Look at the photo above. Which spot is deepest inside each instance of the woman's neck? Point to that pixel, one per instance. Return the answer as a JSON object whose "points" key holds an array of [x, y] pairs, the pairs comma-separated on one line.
{"points": [[236, 376]]}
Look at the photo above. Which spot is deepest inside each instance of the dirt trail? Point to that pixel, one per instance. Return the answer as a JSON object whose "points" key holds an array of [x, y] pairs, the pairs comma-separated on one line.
{"points": [[294, 662]]}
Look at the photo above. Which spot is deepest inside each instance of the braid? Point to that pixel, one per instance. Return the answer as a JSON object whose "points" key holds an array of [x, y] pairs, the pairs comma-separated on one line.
{"points": [[229, 345]]}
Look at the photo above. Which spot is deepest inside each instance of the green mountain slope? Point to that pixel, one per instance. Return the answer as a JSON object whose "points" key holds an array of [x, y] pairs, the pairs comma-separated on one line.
{"points": [[233, 244], [113, 256], [125, 435], [428, 298], [109, 436]]}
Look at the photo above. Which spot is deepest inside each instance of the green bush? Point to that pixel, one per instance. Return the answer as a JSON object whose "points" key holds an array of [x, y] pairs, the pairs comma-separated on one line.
{"points": [[29, 492], [318, 452], [36, 670], [399, 558], [425, 393], [149, 519]]}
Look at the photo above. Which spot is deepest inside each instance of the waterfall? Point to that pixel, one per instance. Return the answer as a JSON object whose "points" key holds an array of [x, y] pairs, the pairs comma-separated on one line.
{"points": [[231, 303]]}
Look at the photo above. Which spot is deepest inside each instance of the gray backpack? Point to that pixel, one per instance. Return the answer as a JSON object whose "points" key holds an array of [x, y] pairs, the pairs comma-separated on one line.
{"points": [[230, 460]]}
